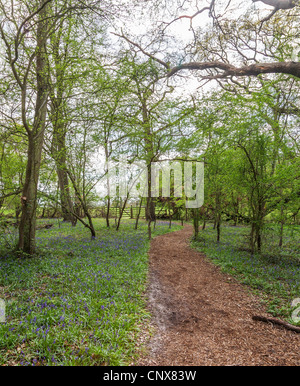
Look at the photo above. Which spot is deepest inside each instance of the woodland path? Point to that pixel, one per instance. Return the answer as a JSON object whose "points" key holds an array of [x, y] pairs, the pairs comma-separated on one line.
{"points": [[203, 317]]}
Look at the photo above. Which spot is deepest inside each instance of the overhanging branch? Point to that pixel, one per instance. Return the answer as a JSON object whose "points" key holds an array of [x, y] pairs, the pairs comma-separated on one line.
{"points": [[228, 70], [290, 68], [280, 4]]}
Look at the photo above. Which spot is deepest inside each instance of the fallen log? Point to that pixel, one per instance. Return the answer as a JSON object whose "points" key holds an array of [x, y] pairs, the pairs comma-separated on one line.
{"points": [[288, 326], [46, 226]]}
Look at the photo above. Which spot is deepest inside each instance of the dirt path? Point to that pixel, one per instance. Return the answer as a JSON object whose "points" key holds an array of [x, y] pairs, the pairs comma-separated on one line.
{"points": [[203, 317]]}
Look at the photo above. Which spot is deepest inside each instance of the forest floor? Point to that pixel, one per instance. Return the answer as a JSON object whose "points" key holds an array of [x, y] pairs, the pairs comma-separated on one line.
{"points": [[203, 317]]}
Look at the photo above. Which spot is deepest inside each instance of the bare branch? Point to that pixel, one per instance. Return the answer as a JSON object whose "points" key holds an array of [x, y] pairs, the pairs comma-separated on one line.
{"points": [[187, 16], [166, 65]]}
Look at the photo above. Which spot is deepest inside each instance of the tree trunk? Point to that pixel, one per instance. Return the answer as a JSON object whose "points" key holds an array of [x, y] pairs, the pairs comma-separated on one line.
{"points": [[258, 226], [27, 226], [281, 227], [57, 116], [107, 212], [252, 243], [217, 224], [66, 202], [203, 211], [150, 206], [18, 211], [29, 195], [81, 206], [138, 215], [258, 238], [149, 229], [150, 209], [196, 222], [122, 211], [63, 181], [218, 229]]}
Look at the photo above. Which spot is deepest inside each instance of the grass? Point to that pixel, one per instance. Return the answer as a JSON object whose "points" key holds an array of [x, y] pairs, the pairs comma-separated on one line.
{"points": [[80, 301], [274, 274]]}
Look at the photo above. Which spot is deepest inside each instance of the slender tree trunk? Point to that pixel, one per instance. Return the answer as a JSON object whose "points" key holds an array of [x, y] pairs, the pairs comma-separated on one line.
{"points": [[255, 234], [217, 224], [107, 212], [259, 240], [150, 209], [196, 222], [203, 216], [121, 212], [281, 234], [150, 206], [170, 216], [252, 243], [259, 225], [281, 226], [65, 198], [218, 229], [59, 154], [204, 223], [138, 215], [57, 116], [43, 211], [149, 229], [107, 154], [18, 212], [54, 213]]}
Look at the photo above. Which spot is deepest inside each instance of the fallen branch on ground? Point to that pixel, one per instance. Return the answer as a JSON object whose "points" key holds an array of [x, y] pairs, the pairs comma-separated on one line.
{"points": [[278, 322], [46, 226]]}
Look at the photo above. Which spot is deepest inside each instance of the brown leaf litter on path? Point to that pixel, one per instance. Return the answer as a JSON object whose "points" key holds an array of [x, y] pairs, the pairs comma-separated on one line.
{"points": [[203, 317]]}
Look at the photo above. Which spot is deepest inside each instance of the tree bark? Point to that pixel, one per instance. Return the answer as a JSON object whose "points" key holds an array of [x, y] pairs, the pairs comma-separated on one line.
{"points": [[281, 226], [107, 212], [196, 222], [59, 155], [122, 211], [29, 195], [27, 226], [138, 215], [59, 150], [290, 68]]}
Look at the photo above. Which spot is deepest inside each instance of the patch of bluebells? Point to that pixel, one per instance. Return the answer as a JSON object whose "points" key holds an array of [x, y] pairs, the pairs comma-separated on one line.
{"points": [[79, 285]]}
